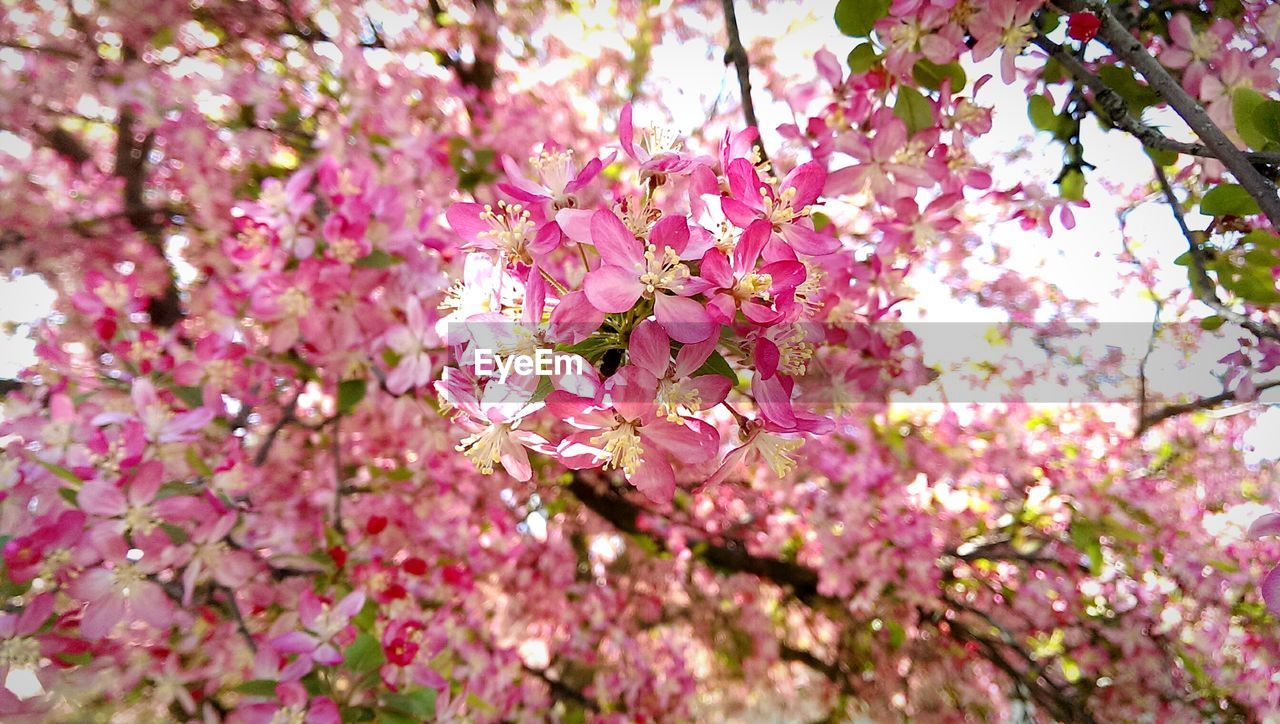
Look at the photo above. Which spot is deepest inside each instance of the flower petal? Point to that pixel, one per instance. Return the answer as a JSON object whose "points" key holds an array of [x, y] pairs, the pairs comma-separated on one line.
{"points": [[650, 348], [612, 289], [616, 244], [685, 320]]}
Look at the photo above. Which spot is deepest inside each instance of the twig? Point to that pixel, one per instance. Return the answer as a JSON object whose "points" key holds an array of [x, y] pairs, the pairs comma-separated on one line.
{"points": [[335, 449], [736, 53], [1122, 42], [1201, 284], [234, 609], [1117, 110], [1202, 403], [290, 412]]}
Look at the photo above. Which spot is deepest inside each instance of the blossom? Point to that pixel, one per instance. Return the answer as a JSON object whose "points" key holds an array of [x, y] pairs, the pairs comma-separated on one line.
{"points": [[786, 211], [121, 588], [413, 342], [622, 429], [659, 150], [322, 623], [654, 270]]}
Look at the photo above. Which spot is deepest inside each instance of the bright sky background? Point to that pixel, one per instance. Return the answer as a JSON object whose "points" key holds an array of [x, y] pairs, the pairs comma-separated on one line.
{"points": [[1081, 261]]}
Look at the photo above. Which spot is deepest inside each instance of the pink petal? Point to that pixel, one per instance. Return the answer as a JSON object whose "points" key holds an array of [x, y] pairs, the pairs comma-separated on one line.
{"points": [[715, 269], [101, 615], [690, 442], [807, 241], [464, 218], [766, 357], [739, 213], [626, 131], [807, 179], [584, 177], [685, 320], [691, 356], [1271, 590], [784, 274], [294, 642], [612, 288], [1268, 524], [650, 348], [574, 319], [655, 479], [99, 497], [712, 389], [745, 183], [616, 244], [751, 244], [670, 231], [575, 223]]}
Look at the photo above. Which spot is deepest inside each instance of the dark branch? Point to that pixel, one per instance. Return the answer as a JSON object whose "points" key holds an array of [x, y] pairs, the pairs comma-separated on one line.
{"points": [[736, 53]]}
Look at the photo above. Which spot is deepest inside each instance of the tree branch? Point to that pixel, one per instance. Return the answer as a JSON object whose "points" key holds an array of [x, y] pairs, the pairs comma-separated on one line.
{"points": [[1117, 110], [1121, 41], [736, 53], [1201, 285]]}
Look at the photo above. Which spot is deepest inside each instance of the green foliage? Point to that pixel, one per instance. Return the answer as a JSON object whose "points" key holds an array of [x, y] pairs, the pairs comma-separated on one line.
{"points": [[364, 654], [857, 17], [913, 108], [1228, 200], [931, 75], [863, 58], [350, 393]]}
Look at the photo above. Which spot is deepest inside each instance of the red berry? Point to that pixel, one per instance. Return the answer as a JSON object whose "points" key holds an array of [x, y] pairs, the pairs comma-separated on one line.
{"points": [[338, 555], [1083, 26], [414, 566]]}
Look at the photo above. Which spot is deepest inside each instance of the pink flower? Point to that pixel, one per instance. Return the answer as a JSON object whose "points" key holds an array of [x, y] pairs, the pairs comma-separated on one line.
{"points": [[621, 428], [738, 285], [492, 412], [679, 391], [295, 705], [659, 150], [630, 270], [1003, 24], [323, 623], [121, 589], [1194, 51], [786, 211], [559, 179], [413, 342], [159, 422]]}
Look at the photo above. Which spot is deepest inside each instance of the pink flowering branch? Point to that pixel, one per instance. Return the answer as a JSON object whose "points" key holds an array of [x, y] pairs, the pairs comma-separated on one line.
{"points": [[736, 53]]}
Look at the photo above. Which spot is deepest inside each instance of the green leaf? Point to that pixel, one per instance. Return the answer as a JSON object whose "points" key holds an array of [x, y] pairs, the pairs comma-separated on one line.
{"points": [[60, 471], [1136, 94], [364, 654], [1244, 102], [1040, 111], [856, 17], [192, 396], [863, 58], [716, 364], [1085, 537], [378, 259], [1228, 200], [1071, 185], [419, 703], [931, 75], [367, 617], [197, 463], [1266, 119], [914, 109], [350, 393], [258, 687], [1163, 157], [1211, 323]]}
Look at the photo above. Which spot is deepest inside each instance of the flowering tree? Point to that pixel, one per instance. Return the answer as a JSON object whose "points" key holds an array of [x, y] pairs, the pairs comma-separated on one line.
{"points": [[259, 471]]}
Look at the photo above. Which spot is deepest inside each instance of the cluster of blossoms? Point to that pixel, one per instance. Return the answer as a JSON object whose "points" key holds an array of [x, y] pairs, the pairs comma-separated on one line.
{"points": [[704, 280], [263, 469]]}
